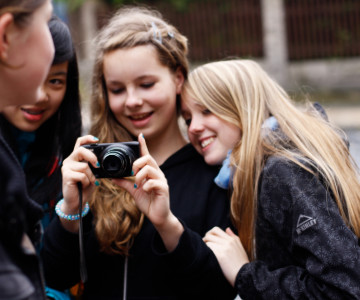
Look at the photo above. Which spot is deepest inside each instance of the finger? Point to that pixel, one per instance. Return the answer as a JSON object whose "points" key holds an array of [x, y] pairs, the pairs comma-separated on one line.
{"points": [[230, 232], [143, 147], [158, 185], [142, 162], [126, 184], [86, 139], [214, 233], [148, 172], [70, 177], [81, 167], [82, 154]]}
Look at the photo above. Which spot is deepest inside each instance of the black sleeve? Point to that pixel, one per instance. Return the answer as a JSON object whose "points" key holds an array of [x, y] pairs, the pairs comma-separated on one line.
{"points": [[195, 267], [60, 255], [301, 216]]}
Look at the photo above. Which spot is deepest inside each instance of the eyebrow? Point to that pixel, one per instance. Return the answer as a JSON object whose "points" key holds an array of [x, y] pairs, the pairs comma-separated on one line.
{"points": [[57, 73]]}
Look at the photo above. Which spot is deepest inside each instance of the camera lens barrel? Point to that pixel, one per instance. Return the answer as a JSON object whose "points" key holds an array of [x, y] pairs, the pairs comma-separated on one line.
{"points": [[117, 160]]}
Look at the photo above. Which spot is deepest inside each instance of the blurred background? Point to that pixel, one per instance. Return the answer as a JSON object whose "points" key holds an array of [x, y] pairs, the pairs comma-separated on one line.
{"points": [[311, 47]]}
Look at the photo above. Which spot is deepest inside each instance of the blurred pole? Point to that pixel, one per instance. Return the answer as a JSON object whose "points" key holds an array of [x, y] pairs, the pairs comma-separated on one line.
{"points": [[88, 27], [275, 46]]}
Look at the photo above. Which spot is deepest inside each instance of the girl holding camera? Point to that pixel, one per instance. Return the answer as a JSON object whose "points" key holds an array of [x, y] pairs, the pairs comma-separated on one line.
{"points": [[142, 240], [26, 52], [295, 188]]}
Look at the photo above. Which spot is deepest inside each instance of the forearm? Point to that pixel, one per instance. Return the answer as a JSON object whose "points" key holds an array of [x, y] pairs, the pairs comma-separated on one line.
{"points": [[170, 232]]}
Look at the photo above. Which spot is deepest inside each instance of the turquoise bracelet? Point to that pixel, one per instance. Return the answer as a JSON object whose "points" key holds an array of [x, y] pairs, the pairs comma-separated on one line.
{"points": [[70, 217]]}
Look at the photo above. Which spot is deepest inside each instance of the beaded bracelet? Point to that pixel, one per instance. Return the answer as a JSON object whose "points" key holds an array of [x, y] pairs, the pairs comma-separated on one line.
{"points": [[70, 217]]}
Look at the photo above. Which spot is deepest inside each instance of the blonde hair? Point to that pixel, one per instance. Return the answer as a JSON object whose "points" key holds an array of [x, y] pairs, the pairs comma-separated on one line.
{"points": [[117, 218], [242, 93]]}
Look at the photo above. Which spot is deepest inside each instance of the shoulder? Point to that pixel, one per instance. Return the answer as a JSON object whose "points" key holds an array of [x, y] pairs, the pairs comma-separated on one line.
{"points": [[187, 159], [283, 169]]}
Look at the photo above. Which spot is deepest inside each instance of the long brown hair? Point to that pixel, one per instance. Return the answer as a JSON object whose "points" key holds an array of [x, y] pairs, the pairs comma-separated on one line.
{"points": [[240, 92], [117, 218]]}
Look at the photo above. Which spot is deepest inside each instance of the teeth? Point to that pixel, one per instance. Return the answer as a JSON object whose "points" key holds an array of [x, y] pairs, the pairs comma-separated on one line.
{"points": [[138, 117], [207, 142], [33, 112]]}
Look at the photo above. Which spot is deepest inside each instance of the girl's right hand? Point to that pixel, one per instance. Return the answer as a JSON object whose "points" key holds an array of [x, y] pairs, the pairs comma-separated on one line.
{"points": [[75, 169]]}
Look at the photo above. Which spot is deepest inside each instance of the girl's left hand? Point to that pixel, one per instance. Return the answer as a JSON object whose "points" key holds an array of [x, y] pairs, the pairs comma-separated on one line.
{"points": [[151, 194], [228, 250]]}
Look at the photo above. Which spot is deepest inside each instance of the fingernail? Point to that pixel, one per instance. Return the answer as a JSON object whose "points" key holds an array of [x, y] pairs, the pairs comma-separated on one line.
{"points": [[95, 138], [97, 164], [97, 183], [132, 172], [142, 136], [135, 185]]}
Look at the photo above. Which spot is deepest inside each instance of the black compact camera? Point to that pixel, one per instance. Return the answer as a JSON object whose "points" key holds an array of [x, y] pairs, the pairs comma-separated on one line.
{"points": [[115, 159]]}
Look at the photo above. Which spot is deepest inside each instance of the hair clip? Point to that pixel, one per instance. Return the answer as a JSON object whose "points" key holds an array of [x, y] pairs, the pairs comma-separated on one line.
{"points": [[157, 34]]}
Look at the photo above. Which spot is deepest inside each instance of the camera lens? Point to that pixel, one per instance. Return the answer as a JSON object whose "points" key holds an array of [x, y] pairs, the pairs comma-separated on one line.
{"points": [[117, 161]]}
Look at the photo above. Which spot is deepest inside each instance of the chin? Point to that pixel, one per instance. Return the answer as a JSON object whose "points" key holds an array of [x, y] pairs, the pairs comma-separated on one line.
{"points": [[212, 162]]}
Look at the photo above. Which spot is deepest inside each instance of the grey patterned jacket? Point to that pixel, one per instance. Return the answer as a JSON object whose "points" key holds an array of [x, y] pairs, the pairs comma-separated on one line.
{"points": [[304, 249]]}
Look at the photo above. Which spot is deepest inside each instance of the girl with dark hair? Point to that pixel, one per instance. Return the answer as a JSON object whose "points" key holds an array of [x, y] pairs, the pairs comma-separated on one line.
{"points": [[26, 52], [42, 134]]}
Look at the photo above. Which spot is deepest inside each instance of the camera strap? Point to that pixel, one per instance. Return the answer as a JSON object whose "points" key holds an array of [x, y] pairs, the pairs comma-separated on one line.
{"points": [[83, 271]]}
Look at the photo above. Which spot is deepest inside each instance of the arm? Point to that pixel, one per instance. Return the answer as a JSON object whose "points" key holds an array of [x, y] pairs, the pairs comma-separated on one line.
{"points": [[304, 248], [76, 169], [151, 194], [187, 258], [60, 252]]}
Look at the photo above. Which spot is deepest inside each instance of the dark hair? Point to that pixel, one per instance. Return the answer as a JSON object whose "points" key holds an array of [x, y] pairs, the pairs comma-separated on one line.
{"points": [[20, 9], [55, 138]]}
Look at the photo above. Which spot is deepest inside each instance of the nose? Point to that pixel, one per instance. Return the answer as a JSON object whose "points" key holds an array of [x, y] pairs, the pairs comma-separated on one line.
{"points": [[132, 99], [42, 95], [196, 126]]}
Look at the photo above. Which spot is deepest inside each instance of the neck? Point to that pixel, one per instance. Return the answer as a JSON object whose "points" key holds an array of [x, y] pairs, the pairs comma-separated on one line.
{"points": [[162, 147]]}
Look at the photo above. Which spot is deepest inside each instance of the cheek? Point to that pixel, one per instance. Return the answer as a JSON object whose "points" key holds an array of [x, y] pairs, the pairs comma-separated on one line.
{"points": [[115, 106], [56, 100], [11, 114]]}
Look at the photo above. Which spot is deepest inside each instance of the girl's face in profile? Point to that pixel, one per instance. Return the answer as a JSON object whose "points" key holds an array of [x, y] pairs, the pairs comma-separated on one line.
{"points": [[31, 117], [142, 92], [211, 136], [30, 54]]}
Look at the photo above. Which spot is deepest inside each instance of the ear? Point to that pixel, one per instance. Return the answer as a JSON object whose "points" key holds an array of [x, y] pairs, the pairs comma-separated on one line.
{"points": [[5, 22], [179, 80]]}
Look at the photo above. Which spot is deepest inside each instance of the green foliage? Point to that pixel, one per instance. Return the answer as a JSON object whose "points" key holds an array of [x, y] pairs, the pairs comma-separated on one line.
{"points": [[180, 5], [71, 4]]}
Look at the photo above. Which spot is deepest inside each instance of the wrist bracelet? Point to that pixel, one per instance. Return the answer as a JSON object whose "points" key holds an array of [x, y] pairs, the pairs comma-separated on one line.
{"points": [[70, 217]]}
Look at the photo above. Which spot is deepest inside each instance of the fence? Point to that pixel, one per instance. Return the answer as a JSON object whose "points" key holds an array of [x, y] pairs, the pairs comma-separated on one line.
{"points": [[221, 28]]}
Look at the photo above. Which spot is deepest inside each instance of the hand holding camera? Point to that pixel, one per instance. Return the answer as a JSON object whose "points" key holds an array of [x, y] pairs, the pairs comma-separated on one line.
{"points": [[115, 159], [151, 195]]}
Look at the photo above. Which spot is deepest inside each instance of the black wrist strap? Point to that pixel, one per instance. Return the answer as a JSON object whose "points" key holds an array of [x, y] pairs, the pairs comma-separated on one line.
{"points": [[83, 271]]}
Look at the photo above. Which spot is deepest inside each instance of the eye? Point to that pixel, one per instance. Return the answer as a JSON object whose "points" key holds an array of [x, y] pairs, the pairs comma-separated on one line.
{"points": [[147, 85], [56, 81], [116, 91], [187, 121], [206, 112]]}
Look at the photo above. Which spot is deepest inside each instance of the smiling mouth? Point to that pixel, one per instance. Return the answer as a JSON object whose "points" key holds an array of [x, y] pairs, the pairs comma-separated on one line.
{"points": [[207, 142], [140, 117], [33, 112]]}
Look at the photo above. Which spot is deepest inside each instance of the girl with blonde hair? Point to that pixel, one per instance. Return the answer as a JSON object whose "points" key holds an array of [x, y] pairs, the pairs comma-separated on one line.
{"points": [[136, 247], [295, 187]]}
